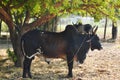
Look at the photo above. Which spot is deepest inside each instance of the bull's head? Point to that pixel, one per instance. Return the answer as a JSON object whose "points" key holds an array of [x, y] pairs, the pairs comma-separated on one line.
{"points": [[94, 40], [90, 41]]}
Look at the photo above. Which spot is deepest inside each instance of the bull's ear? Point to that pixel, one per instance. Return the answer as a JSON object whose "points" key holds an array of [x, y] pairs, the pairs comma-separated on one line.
{"points": [[94, 32], [90, 31]]}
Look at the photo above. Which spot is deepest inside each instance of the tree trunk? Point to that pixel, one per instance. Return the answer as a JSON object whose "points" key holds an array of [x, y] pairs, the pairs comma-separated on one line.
{"points": [[105, 29], [0, 27], [15, 40], [114, 30], [51, 25], [18, 53], [54, 24]]}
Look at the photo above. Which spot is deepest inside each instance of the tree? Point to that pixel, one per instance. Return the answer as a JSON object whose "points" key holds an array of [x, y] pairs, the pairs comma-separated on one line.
{"points": [[17, 15], [50, 25], [114, 24], [105, 29], [0, 27], [24, 15], [114, 30]]}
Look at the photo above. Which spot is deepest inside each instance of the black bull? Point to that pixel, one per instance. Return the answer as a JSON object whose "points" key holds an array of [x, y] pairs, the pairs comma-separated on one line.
{"points": [[69, 44]]}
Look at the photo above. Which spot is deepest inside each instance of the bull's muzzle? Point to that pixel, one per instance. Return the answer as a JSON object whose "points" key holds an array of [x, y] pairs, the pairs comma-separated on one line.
{"points": [[100, 48]]}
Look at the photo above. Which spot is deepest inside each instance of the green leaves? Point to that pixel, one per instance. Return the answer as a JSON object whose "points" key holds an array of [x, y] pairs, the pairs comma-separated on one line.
{"points": [[11, 55], [95, 8]]}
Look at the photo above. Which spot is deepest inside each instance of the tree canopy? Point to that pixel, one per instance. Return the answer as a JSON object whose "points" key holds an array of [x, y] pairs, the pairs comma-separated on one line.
{"points": [[44, 10]]}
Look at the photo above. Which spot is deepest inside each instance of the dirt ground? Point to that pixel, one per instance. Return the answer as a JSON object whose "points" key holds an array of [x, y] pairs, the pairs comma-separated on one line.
{"points": [[99, 65]]}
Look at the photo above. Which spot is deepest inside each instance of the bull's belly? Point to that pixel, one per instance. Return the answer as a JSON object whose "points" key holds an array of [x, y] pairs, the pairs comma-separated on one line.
{"points": [[48, 56], [55, 55]]}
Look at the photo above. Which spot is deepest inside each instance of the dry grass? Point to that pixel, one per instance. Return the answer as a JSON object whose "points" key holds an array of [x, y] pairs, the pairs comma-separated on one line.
{"points": [[99, 65]]}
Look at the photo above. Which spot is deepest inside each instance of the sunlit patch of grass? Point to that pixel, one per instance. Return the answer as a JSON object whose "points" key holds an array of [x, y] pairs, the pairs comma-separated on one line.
{"points": [[8, 71], [119, 47]]}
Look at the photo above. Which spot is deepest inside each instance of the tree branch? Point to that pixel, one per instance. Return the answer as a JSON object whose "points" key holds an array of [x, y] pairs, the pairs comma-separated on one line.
{"points": [[8, 4], [117, 6], [19, 5], [27, 17], [6, 18], [38, 22], [3, 12], [43, 19]]}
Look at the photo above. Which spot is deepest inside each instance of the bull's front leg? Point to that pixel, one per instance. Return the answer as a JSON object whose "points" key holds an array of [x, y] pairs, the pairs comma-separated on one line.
{"points": [[70, 66]]}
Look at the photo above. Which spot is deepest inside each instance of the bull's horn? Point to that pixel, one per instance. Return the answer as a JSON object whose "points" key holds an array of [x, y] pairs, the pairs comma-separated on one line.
{"points": [[77, 23], [73, 23], [93, 27], [95, 30], [92, 30]]}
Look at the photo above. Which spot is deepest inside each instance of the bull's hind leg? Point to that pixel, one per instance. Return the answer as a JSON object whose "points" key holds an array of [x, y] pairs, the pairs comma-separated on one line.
{"points": [[29, 67], [26, 67], [70, 66]]}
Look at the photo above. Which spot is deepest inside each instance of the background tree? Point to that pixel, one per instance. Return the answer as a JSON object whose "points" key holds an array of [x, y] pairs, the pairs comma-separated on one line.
{"points": [[24, 15], [114, 25], [114, 30], [0, 27], [105, 29]]}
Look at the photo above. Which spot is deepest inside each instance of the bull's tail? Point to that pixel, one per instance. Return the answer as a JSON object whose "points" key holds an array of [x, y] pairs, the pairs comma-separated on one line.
{"points": [[23, 51], [22, 47]]}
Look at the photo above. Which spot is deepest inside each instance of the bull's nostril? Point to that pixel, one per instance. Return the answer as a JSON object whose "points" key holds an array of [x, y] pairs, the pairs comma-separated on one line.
{"points": [[81, 62]]}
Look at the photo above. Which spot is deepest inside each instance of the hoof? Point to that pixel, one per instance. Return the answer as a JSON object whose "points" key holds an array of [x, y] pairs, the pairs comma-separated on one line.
{"points": [[69, 76], [24, 76], [48, 62], [27, 76]]}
